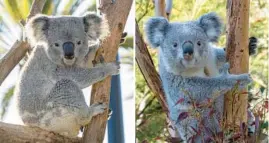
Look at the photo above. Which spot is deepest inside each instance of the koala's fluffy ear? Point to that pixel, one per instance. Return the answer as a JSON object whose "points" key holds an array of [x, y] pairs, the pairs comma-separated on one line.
{"points": [[95, 26], [155, 30], [36, 28], [212, 25]]}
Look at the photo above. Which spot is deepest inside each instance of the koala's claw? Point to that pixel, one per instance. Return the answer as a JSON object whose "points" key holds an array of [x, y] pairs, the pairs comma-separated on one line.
{"points": [[123, 37], [98, 108], [109, 114], [253, 41]]}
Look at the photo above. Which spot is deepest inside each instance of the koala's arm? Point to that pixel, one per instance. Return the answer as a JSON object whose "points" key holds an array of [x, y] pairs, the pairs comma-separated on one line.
{"points": [[221, 83], [86, 77], [221, 54]]}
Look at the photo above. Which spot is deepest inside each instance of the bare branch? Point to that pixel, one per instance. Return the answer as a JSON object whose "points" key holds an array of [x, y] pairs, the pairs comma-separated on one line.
{"points": [[10, 133], [148, 70], [12, 58], [116, 14], [36, 8]]}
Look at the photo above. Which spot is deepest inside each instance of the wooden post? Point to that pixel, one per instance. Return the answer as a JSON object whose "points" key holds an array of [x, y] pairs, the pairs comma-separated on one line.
{"points": [[116, 14], [238, 57]]}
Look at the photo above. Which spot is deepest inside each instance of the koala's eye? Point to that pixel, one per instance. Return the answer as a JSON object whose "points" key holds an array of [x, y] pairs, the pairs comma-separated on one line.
{"points": [[79, 42], [56, 44], [175, 45], [199, 43]]}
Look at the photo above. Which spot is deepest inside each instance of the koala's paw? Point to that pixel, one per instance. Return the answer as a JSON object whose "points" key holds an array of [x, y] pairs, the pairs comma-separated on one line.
{"points": [[110, 112], [253, 41], [226, 66], [243, 79], [224, 70], [113, 68], [98, 108]]}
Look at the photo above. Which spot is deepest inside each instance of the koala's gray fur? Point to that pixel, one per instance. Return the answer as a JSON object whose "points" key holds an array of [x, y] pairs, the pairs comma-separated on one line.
{"points": [[49, 88], [185, 79]]}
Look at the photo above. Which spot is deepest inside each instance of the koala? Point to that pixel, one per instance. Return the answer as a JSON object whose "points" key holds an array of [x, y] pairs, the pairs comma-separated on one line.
{"points": [[185, 50], [49, 87]]}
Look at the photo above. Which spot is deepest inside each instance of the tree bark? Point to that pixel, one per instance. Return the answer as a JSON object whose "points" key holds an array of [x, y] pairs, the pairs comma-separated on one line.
{"points": [[19, 49], [116, 14], [21, 134], [12, 58], [148, 70], [36, 8], [238, 57]]}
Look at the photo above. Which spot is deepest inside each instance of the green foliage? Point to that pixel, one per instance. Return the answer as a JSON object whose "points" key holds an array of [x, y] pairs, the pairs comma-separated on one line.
{"points": [[184, 10], [129, 43], [5, 101]]}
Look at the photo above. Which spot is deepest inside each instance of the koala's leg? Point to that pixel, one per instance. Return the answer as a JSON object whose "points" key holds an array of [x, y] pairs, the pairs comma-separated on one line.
{"points": [[66, 110], [86, 77]]}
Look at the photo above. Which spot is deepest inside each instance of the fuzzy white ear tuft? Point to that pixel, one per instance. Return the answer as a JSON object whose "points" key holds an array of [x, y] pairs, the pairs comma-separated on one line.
{"points": [[155, 29], [95, 26], [36, 29], [212, 25]]}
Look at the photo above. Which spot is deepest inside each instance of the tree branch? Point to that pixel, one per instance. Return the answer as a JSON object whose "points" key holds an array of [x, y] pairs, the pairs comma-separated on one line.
{"points": [[148, 70], [10, 133], [36, 8], [19, 49], [116, 14], [12, 58]]}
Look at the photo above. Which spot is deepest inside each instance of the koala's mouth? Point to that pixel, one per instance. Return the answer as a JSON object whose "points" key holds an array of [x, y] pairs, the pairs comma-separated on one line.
{"points": [[188, 57], [189, 62], [69, 62]]}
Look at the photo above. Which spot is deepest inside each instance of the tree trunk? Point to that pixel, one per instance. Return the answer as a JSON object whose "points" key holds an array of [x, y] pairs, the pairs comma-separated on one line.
{"points": [[238, 57], [116, 14]]}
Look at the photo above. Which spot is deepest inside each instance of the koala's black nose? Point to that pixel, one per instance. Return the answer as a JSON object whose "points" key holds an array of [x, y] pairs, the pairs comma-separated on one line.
{"points": [[68, 48], [187, 48]]}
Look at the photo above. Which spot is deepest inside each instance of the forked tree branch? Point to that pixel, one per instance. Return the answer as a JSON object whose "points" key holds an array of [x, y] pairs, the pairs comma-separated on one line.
{"points": [[19, 49], [116, 14]]}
